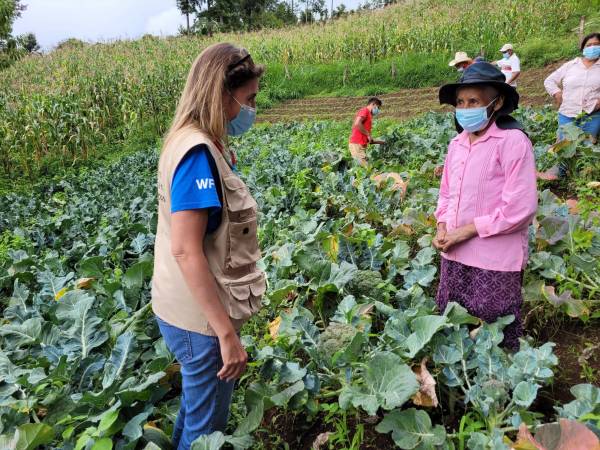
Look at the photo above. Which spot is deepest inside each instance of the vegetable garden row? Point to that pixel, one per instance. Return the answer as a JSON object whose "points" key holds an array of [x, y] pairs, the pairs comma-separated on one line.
{"points": [[349, 350]]}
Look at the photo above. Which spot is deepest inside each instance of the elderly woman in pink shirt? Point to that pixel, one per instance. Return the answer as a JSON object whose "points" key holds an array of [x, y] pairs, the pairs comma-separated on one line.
{"points": [[576, 88], [487, 200]]}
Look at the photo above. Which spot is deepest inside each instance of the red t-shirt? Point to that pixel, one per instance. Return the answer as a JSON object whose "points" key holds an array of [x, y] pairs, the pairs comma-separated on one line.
{"points": [[357, 137]]}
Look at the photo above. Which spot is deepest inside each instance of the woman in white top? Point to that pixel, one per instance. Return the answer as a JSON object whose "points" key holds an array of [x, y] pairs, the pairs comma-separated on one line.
{"points": [[575, 87]]}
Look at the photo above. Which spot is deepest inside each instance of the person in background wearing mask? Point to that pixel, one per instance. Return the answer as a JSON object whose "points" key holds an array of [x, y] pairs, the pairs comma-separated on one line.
{"points": [[206, 282], [575, 87], [361, 131], [461, 61], [487, 199], [510, 65]]}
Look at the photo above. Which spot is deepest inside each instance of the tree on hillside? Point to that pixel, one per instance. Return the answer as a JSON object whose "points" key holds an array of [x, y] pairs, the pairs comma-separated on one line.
{"points": [[9, 11], [340, 11], [28, 42], [314, 10], [242, 15], [188, 8]]}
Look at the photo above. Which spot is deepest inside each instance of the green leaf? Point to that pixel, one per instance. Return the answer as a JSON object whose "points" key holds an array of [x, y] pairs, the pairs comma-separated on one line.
{"points": [[136, 275], [133, 429], [240, 442], [103, 444], [118, 360], [252, 421], [388, 383], [424, 257], [108, 419], [291, 372], [458, 315], [283, 397], [553, 229], [587, 400], [25, 333], [212, 441], [422, 276], [91, 267], [525, 393], [424, 328], [32, 436], [412, 429], [85, 331]]}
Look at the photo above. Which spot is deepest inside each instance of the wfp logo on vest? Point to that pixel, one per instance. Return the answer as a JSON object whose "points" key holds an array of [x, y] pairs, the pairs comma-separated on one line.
{"points": [[205, 183]]}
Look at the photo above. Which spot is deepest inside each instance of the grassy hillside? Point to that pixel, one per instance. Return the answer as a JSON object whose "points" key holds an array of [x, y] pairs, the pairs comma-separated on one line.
{"points": [[82, 103]]}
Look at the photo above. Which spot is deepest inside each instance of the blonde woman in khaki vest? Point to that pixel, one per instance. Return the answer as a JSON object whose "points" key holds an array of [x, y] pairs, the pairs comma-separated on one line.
{"points": [[206, 283]]}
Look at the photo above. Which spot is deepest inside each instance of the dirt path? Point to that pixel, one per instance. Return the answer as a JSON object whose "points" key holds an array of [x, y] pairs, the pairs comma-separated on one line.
{"points": [[398, 105]]}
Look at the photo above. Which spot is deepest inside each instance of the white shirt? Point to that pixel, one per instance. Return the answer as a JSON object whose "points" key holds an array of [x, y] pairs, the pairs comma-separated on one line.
{"points": [[580, 86], [509, 67]]}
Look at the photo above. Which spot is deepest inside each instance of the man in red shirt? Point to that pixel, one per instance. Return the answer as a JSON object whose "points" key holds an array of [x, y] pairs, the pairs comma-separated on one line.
{"points": [[361, 131]]}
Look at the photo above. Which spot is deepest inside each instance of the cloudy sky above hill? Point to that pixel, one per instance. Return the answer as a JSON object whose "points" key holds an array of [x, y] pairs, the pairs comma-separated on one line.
{"points": [[102, 20]]}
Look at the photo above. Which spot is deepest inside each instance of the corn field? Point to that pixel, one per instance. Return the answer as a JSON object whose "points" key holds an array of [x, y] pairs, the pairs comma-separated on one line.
{"points": [[59, 109]]}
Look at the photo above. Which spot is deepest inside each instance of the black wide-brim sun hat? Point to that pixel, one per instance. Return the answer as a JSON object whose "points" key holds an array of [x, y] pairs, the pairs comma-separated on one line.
{"points": [[482, 74]]}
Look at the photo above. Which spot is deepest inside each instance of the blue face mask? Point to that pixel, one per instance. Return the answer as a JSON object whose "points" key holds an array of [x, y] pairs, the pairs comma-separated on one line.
{"points": [[375, 111], [592, 52], [473, 119], [506, 55], [243, 121]]}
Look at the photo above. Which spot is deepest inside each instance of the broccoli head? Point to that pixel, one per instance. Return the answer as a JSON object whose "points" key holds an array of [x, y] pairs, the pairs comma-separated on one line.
{"points": [[365, 283], [337, 336]]}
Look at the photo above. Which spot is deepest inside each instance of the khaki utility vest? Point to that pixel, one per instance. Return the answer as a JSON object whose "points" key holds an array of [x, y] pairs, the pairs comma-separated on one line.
{"points": [[232, 250]]}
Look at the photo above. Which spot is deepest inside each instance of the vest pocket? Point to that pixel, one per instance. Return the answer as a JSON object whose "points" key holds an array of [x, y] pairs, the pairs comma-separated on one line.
{"points": [[240, 203], [243, 244], [245, 295]]}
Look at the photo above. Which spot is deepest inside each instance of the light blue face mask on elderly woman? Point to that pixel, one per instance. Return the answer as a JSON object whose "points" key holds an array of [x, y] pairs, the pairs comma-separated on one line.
{"points": [[473, 119], [592, 52], [243, 121]]}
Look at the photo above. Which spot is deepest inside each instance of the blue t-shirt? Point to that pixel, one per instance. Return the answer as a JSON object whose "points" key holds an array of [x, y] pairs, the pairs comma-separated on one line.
{"points": [[195, 185]]}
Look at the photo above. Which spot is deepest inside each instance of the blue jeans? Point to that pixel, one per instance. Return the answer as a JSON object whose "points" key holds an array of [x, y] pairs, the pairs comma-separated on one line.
{"points": [[590, 124], [205, 399]]}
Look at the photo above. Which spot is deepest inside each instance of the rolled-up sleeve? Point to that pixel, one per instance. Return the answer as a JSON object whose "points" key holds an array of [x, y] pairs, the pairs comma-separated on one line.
{"points": [[444, 194], [519, 194], [553, 84]]}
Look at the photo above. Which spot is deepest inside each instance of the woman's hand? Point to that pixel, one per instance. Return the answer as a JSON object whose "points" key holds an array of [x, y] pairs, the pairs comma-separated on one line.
{"points": [[457, 236], [558, 98], [440, 236], [234, 357]]}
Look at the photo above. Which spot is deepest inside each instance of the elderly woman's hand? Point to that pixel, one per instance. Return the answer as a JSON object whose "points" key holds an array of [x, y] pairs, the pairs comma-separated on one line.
{"points": [[457, 236], [440, 236]]}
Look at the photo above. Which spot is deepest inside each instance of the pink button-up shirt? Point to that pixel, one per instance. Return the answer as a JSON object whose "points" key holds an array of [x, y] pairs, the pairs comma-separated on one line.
{"points": [[580, 86], [492, 184]]}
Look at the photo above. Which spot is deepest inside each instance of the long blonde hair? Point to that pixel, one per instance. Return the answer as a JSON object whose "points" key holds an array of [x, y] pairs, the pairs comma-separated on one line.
{"points": [[219, 69]]}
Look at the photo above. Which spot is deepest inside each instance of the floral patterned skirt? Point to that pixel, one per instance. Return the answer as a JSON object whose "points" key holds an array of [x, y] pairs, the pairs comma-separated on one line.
{"points": [[487, 294]]}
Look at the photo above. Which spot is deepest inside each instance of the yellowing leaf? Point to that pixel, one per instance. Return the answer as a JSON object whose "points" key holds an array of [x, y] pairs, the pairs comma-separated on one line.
{"points": [[274, 327], [426, 395], [594, 184], [332, 247], [60, 293], [573, 206], [398, 183], [84, 283]]}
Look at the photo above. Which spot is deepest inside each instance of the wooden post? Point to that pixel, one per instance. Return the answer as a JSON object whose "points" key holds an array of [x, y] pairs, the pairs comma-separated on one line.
{"points": [[287, 72], [482, 51], [393, 70], [581, 27], [345, 79]]}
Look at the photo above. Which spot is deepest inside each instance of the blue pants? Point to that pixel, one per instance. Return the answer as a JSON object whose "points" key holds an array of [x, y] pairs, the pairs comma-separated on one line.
{"points": [[590, 124], [205, 399]]}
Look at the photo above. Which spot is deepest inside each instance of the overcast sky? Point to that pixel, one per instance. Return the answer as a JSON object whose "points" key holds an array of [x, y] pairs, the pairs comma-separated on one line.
{"points": [[99, 20]]}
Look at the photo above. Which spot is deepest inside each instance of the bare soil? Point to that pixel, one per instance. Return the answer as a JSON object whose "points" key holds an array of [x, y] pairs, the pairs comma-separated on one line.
{"points": [[400, 105]]}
